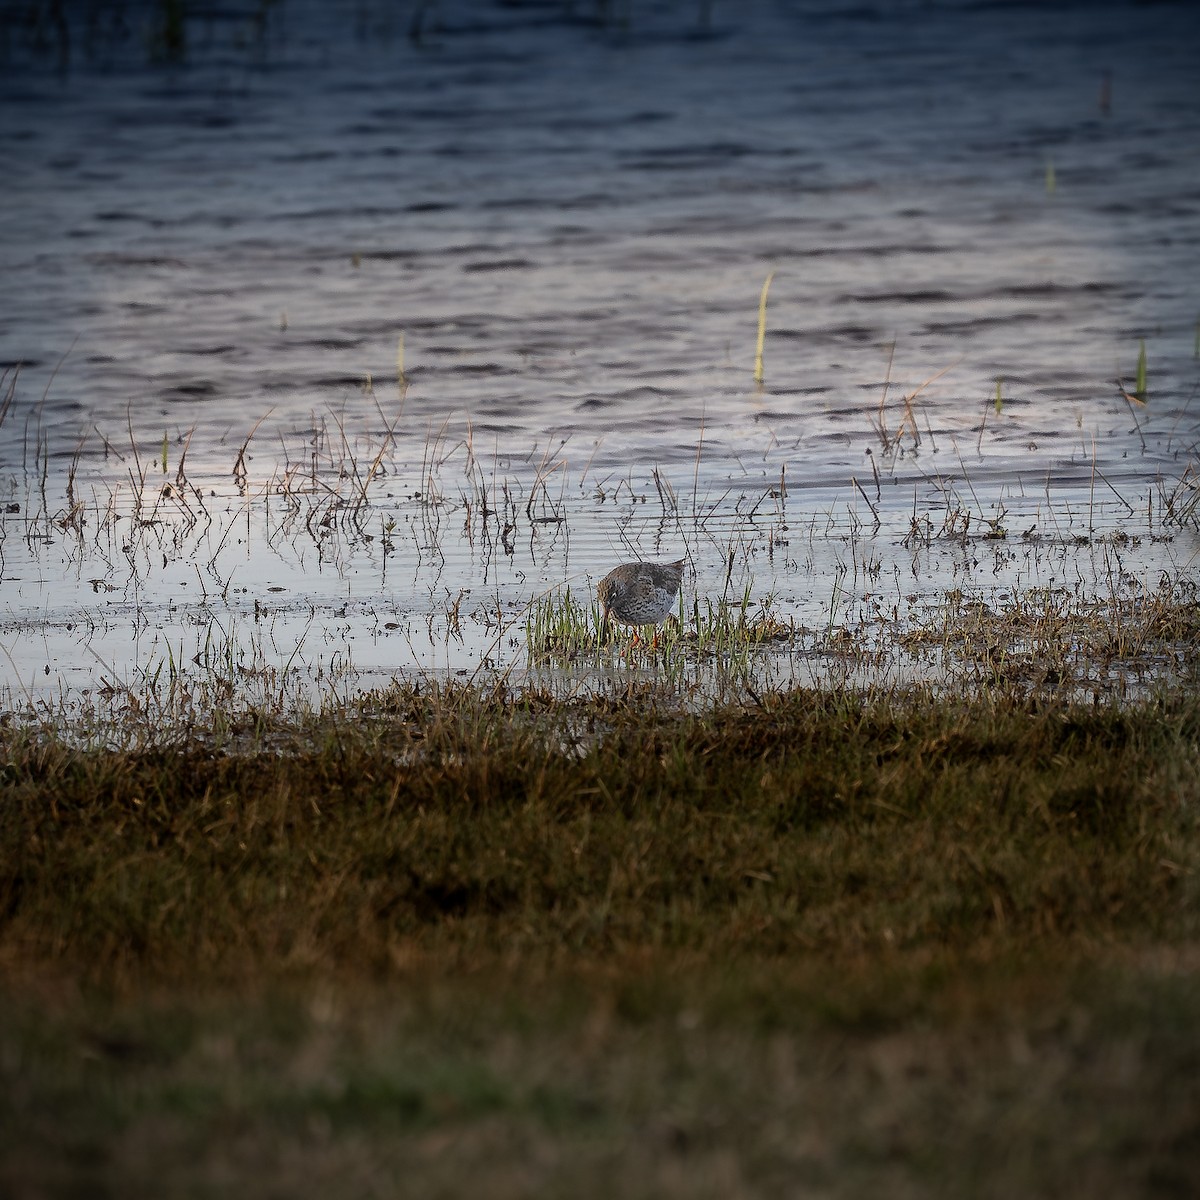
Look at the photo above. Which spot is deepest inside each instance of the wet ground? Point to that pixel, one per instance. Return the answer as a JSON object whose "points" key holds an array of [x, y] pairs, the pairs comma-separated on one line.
{"points": [[330, 349]]}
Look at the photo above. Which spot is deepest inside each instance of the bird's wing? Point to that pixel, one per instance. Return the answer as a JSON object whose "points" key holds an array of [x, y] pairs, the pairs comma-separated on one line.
{"points": [[644, 584]]}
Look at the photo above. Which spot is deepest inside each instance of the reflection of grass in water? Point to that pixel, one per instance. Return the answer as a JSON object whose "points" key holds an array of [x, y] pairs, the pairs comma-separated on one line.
{"points": [[223, 671], [344, 490]]}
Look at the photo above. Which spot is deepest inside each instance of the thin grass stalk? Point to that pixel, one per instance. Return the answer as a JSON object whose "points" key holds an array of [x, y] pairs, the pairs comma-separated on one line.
{"points": [[762, 329]]}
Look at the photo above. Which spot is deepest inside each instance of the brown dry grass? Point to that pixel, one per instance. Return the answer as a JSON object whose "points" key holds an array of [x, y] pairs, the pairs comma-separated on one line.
{"points": [[455, 940]]}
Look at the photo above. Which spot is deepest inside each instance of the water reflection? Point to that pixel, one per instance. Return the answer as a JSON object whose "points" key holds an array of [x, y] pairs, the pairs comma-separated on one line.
{"points": [[555, 231]]}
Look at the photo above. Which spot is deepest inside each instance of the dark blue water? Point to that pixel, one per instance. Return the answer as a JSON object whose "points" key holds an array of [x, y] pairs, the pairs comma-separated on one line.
{"points": [[570, 222], [566, 221]]}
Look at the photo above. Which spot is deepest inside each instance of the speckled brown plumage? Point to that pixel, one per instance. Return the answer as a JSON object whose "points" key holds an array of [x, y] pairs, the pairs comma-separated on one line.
{"points": [[639, 593]]}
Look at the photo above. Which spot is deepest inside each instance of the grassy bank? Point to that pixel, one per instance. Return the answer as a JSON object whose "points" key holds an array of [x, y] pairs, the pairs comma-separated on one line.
{"points": [[608, 947]]}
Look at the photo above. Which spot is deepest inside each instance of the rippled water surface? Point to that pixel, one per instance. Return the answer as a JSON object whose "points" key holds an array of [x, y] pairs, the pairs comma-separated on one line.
{"points": [[325, 330]]}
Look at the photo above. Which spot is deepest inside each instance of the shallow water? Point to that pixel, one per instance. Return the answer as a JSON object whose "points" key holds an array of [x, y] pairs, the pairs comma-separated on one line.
{"points": [[569, 224]]}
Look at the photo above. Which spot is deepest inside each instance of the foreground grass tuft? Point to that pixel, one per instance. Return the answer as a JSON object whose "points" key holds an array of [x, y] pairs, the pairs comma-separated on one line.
{"points": [[561, 630], [608, 946], [461, 824]]}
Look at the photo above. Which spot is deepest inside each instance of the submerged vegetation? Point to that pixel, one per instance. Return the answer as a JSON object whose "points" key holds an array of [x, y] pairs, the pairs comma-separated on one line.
{"points": [[246, 589]]}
